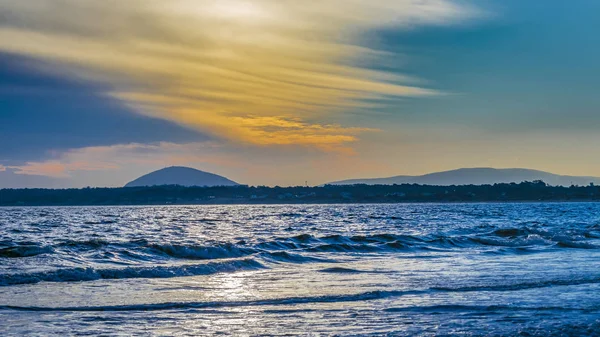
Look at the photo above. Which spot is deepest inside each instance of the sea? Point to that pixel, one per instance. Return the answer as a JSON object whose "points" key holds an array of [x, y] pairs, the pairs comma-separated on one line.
{"points": [[481, 269]]}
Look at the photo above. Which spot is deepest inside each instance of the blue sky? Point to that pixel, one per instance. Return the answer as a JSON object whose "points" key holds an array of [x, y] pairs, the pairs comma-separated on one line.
{"points": [[383, 88], [531, 65]]}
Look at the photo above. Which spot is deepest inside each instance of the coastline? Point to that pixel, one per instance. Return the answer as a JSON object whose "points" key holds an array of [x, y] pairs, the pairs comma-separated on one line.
{"points": [[332, 203], [533, 192]]}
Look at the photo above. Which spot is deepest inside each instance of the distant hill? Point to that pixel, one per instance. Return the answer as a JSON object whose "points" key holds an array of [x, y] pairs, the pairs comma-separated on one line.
{"points": [[477, 176], [183, 176]]}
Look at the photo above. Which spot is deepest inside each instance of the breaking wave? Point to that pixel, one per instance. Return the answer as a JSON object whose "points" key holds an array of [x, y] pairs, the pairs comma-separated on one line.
{"points": [[92, 274]]}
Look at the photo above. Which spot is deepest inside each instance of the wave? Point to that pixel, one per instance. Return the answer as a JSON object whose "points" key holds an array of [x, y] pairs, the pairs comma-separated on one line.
{"points": [[343, 248], [84, 245], [194, 252], [293, 258], [341, 270], [522, 286], [507, 237], [577, 244], [24, 251], [529, 240], [508, 240], [292, 301], [479, 308], [92, 274], [304, 238], [365, 296]]}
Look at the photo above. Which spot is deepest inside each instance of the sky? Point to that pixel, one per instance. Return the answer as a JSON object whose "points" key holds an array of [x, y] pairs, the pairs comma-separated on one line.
{"points": [[279, 92]]}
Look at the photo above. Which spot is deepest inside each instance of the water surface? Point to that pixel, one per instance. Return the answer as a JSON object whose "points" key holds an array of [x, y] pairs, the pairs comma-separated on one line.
{"points": [[405, 269]]}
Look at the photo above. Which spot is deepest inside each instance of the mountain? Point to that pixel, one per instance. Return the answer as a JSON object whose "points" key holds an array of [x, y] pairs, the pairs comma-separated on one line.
{"points": [[184, 176], [477, 176]]}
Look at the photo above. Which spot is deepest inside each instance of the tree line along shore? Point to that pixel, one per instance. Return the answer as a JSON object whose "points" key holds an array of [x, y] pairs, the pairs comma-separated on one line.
{"points": [[173, 194]]}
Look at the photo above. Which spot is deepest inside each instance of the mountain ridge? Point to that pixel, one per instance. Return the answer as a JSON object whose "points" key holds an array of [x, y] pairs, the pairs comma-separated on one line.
{"points": [[180, 175], [476, 176]]}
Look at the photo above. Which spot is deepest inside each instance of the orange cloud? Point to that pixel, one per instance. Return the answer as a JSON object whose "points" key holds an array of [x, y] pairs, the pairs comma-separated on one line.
{"points": [[61, 169], [117, 164], [110, 158], [210, 64]]}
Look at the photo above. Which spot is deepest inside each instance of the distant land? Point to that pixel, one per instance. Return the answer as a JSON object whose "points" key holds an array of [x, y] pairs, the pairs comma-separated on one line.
{"points": [[477, 176], [182, 176], [328, 194], [184, 186]]}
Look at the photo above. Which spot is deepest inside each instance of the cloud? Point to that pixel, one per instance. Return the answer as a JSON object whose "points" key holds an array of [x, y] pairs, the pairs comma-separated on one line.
{"points": [[233, 68], [417, 153], [267, 130], [60, 169], [116, 165], [113, 158], [41, 115], [8, 179]]}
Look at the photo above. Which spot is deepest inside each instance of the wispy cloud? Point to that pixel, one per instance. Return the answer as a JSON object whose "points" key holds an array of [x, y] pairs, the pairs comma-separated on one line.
{"points": [[60, 168], [260, 72], [116, 157], [115, 165]]}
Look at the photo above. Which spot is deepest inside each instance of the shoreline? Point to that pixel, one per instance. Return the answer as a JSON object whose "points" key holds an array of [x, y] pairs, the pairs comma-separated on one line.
{"points": [[340, 203], [534, 192]]}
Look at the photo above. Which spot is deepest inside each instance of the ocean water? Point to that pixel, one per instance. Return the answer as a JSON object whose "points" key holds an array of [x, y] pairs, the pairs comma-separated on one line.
{"points": [[527, 269]]}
